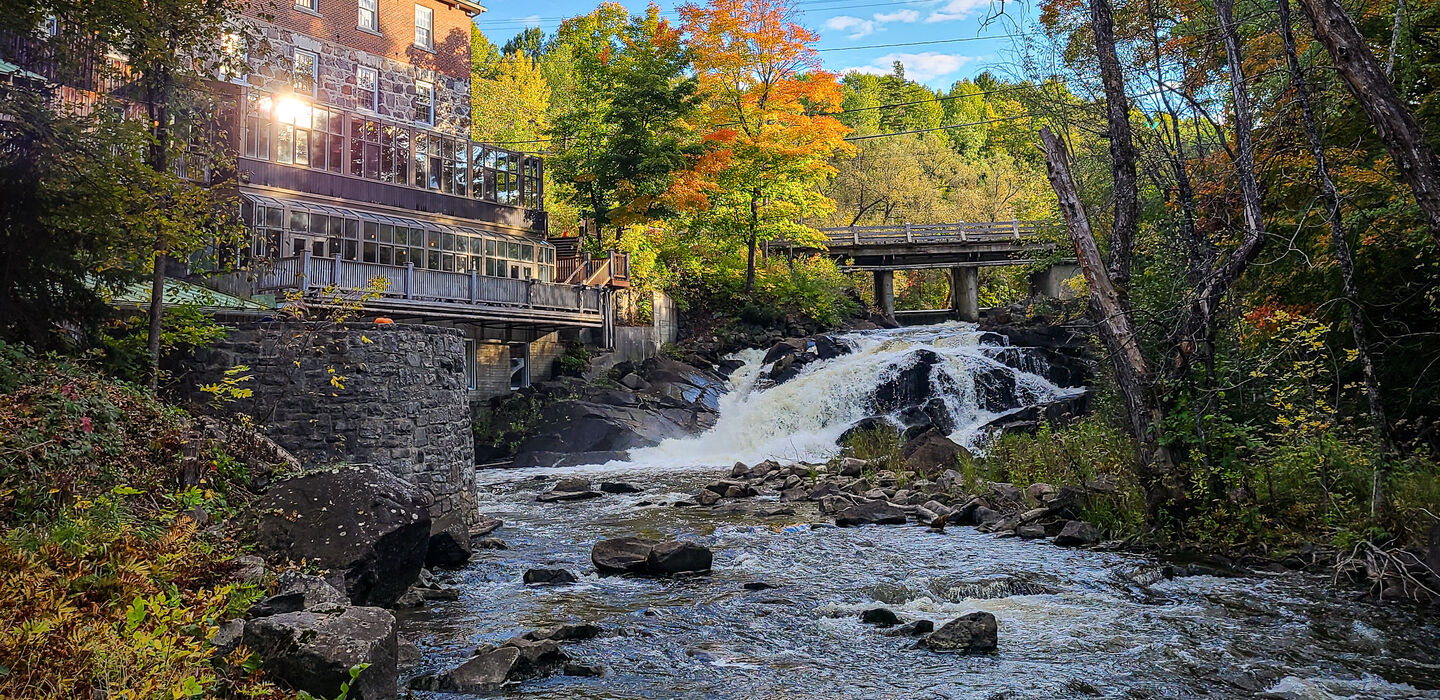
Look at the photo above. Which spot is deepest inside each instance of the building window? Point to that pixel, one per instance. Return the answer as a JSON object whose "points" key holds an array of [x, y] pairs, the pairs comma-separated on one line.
{"points": [[50, 26], [519, 371], [304, 74], [367, 87], [424, 27], [424, 102], [470, 366], [309, 136], [310, 5], [368, 18]]}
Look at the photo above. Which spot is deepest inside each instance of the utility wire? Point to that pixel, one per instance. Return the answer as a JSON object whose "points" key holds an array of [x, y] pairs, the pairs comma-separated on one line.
{"points": [[939, 128]]}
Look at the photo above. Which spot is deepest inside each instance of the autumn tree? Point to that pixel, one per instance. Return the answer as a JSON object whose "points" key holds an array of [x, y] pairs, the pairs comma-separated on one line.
{"points": [[628, 134], [510, 102], [765, 109]]}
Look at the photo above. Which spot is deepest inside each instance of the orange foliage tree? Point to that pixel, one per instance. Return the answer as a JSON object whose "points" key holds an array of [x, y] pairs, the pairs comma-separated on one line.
{"points": [[764, 119]]}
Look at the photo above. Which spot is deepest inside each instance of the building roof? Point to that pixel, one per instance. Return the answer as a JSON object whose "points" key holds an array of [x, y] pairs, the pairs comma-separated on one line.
{"points": [[182, 293]]}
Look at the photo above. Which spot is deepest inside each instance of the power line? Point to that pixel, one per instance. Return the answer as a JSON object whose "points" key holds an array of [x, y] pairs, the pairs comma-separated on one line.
{"points": [[921, 43], [939, 128]]}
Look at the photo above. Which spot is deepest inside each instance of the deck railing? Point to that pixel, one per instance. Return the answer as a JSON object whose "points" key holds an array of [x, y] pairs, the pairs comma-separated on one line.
{"points": [[583, 269], [308, 273], [961, 231]]}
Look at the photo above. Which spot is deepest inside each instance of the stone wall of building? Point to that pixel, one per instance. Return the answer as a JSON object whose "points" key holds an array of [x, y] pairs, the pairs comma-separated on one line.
{"points": [[389, 395], [270, 63]]}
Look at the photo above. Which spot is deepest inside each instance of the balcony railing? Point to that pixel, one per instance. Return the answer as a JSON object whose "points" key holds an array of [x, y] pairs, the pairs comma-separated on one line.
{"points": [[613, 271], [310, 274]]}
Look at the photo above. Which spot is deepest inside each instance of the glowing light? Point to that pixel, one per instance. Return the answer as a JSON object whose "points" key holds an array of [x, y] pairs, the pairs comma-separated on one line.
{"points": [[290, 110]]}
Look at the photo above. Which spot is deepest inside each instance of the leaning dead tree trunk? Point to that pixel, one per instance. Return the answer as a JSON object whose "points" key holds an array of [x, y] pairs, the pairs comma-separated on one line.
{"points": [[1342, 254], [1366, 78], [1158, 473], [1122, 146]]}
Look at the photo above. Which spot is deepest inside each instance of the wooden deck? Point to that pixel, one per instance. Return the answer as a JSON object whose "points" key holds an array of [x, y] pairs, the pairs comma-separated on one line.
{"points": [[917, 246]]}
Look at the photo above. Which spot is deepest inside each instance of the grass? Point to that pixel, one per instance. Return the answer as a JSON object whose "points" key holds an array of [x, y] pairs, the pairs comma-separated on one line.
{"points": [[109, 589]]}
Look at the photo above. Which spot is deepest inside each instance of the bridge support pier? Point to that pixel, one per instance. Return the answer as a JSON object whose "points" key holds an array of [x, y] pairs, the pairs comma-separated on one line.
{"points": [[965, 293], [885, 292]]}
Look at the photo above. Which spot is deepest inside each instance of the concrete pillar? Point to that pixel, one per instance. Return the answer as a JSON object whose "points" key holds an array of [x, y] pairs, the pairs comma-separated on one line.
{"points": [[965, 293], [885, 292], [1050, 282]]}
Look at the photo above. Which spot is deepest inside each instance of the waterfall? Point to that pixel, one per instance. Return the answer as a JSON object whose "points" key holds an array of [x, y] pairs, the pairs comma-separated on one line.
{"points": [[977, 376]]}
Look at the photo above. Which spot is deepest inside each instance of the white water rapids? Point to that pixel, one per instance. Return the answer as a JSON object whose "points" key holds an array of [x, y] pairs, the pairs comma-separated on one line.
{"points": [[800, 420]]}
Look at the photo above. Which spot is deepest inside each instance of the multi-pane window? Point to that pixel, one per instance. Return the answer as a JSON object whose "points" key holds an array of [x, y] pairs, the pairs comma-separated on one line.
{"points": [[367, 88], [305, 72], [379, 151], [424, 102], [310, 136], [368, 18], [424, 27], [269, 226], [311, 5], [257, 127]]}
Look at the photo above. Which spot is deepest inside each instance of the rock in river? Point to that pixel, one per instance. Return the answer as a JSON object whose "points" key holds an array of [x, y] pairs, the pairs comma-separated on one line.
{"points": [[548, 577], [1077, 533], [678, 557], [621, 554], [656, 558], [875, 513], [973, 632]]}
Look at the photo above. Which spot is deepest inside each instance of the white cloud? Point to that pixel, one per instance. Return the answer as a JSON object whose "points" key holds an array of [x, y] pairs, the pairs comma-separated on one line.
{"points": [[856, 26], [531, 21], [956, 9], [920, 67], [898, 16]]}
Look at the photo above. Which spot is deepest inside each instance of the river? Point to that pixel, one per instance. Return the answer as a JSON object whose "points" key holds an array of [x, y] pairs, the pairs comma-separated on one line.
{"points": [[1072, 623]]}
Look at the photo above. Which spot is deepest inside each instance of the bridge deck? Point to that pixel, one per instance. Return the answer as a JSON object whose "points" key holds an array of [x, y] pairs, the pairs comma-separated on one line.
{"points": [[922, 246]]}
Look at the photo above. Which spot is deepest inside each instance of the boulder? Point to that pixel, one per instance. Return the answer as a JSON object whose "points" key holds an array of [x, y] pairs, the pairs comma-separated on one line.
{"points": [[982, 515], [973, 632], [364, 524], [313, 651], [932, 452], [634, 382], [678, 557], [875, 513], [873, 424], [548, 577], [909, 385], [297, 591], [553, 496], [739, 471], [1432, 552], [621, 554], [1077, 533], [1004, 493], [880, 617], [491, 668], [449, 542], [618, 487], [827, 488], [570, 632], [912, 629], [1039, 491], [1031, 532], [707, 498], [852, 467]]}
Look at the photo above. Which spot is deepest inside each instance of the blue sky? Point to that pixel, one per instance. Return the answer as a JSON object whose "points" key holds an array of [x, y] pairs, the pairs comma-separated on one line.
{"points": [[864, 35]]}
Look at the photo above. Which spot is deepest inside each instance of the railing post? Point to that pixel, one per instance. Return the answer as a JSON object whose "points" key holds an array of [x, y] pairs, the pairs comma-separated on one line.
{"points": [[856, 233], [962, 231], [908, 237], [1015, 225], [529, 293], [304, 269], [335, 271], [409, 279], [474, 286]]}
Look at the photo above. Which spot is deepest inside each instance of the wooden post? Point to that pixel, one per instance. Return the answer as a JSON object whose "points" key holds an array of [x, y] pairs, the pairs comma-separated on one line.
{"points": [[961, 226], [304, 269], [409, 279], [335, 271], [909, 238], [474, 286], [1015, 226], [855, 233]]}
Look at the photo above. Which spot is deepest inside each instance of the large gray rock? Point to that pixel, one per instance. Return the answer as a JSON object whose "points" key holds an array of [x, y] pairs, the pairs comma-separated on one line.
{"points": [[973, 632], [1077, 533], [314, 651], [874, 513], [368, 527], [297, 591], [622, 554], [678, 557], [932, 452], [492, 667]]}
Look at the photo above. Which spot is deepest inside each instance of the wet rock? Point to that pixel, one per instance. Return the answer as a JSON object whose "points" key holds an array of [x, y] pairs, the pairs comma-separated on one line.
{"points": [[982, 515], [1077, 533], [877, 513], [757, 586], [369, 527], [491, 668], [548, 577], [579, 670], [912, 629], [227, 637], [297, 591], [314, 651], [932, 452], [852, 467], [707, 498], [407, 653], [569, 490], [485, 526], [618, 487], [739, 471], [1031, 532], [490, 543], [449, 542], [880, 425], [880, 617], [570, 632], [909, 385], [973, 632], [621, 554], [678, 557], [633, 382]]}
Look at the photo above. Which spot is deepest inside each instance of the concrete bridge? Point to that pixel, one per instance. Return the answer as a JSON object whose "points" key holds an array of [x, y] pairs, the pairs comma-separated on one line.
{"points": [[962, 248]]}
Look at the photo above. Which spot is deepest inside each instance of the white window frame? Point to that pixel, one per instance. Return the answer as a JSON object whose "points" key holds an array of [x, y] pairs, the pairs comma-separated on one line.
{"points": [[424, 22], [374, 105], [314, 70], [50, 27], [372, 7], [311, 6], [425, 86]]}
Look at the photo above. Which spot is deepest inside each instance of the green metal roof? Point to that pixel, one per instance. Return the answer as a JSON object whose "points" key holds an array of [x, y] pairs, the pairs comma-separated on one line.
{"points": [[184, 293], [8, 68]]}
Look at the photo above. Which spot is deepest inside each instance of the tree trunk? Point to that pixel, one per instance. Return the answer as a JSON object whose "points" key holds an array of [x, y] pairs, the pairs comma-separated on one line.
{"points": [[159, 112], [1342, 256], [1363, 74], [1122, 146], [1163, 481], [752, 239]]}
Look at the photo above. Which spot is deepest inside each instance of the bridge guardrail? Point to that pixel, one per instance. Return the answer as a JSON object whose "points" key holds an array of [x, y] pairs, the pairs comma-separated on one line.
{"points": [[964, 231]]}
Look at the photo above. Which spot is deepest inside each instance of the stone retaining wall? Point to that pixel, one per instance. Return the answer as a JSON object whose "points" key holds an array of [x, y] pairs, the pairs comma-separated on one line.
{"points": [[389, 395]]}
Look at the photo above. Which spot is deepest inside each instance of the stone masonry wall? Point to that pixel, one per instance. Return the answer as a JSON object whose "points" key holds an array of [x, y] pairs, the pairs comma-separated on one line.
{"points": [[397, 400]]}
